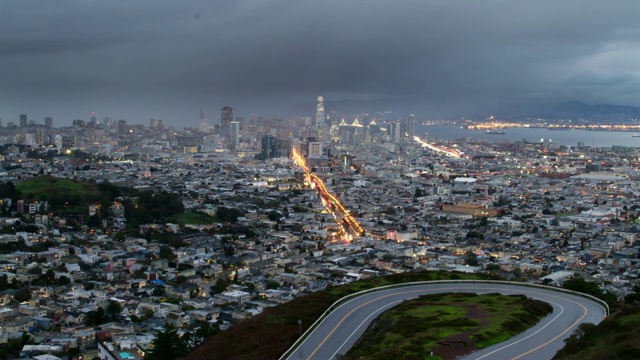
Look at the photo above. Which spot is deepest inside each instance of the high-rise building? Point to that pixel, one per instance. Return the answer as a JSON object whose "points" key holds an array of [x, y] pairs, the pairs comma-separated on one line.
{"points": [[226, 116], [153, 123], [320, 110], [23, 120], [204, 125], [411, 126], [122, 127], [268, 147], [315, 149], [282, 147], [41, 136], [234, 135], [48, 122]]}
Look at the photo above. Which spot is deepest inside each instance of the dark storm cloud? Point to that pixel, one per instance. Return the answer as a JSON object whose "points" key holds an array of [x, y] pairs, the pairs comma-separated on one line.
{"points": [[137, 59]]}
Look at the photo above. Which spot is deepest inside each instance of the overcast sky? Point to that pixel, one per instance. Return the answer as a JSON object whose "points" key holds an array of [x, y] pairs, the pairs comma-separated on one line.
{"points": [[137, 59]]}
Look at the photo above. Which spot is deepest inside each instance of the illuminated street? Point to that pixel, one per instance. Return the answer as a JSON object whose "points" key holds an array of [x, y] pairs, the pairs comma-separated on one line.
{"points": [[350, 228]]}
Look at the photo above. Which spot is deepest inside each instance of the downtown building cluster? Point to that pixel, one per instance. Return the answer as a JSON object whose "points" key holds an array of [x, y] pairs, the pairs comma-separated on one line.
{"points": [[531, 211]]}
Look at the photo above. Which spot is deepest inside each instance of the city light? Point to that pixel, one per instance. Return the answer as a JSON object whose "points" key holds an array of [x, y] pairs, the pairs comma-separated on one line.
{"points": [[334, 206]]}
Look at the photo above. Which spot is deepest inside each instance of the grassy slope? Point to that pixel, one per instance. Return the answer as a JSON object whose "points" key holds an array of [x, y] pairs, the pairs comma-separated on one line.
{"points": [[270, 334], [416, 327], [35, 187], [617, 337]]}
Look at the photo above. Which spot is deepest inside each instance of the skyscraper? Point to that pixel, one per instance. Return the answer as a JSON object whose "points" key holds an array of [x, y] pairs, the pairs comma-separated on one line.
{"points": [[320, 110], [23, 120], [234, 135], [411, 126], [268, 147], [48, 122], [227, 116], [204, 125]]}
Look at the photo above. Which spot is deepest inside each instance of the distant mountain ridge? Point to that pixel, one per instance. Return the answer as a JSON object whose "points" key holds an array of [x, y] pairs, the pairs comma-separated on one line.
{"points": [[577, 110]]}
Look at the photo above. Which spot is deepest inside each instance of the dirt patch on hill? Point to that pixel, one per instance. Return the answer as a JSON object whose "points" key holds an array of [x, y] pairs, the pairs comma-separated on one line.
{"points": [[460, 344]]}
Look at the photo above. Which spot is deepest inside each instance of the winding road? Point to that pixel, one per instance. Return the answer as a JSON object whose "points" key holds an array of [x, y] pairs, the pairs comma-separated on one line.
{"points": [[340, 329]]}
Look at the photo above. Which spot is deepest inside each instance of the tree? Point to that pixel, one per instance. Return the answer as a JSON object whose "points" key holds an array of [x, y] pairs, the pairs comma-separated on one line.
{"points": [[158, 291], [634, 296], [204, 332], [168, 345], [167, 253], [114, 309], [23, 294], [96, 317], [272, 284], [74, 353], [471, 259], [493, 268], [220, 286], [4, 282]]}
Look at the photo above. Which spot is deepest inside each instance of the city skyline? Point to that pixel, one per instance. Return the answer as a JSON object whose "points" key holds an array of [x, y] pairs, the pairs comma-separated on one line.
{"points": [[160, 59]]}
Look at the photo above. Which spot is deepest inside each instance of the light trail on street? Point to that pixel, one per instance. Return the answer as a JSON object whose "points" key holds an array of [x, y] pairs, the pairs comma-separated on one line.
{"points": [[451, 153], [333, 205]]}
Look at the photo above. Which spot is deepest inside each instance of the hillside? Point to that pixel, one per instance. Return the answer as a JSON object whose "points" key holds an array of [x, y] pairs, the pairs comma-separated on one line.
{"points": [[617, 337], [269, 334], [58, 192]]}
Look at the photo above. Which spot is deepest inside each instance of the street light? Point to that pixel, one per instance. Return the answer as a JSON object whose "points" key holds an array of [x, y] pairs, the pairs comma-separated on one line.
{"points": [[300, 326]]}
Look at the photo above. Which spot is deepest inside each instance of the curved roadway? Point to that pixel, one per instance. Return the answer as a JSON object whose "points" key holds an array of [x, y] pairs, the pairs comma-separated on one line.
{"points": [[337, 333]]}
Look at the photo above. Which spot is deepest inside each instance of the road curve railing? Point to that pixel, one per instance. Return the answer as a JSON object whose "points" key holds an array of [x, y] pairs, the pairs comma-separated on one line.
{"points": [[313, 326]]}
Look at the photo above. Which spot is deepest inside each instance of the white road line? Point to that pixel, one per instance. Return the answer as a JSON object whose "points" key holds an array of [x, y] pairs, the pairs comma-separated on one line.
{"points": [[525, 338], [362, 323]]}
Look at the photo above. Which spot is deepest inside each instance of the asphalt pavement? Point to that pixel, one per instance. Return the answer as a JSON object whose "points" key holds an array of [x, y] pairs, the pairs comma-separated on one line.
{"points": [[338, 332]]}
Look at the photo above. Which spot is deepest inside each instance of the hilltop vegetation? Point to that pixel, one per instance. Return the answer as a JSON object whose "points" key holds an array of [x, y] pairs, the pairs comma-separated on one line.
{"points": [[616, 337], [447, 324], [269, 334], [73, 197]]}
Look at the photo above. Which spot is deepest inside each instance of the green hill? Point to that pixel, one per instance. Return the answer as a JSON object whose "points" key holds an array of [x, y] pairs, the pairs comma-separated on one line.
{"points": [[58, 192]]}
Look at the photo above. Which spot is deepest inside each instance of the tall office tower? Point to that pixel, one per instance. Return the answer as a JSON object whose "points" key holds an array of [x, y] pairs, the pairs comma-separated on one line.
{"points": [[227, 116], [107, 122], [23, 120], [204, 125], [411, 126], [320, 110], [122, 126], [282, 148], [153, 123], [0, 122], [48, 122], [268, 147], [94, 119], [234, 135]]}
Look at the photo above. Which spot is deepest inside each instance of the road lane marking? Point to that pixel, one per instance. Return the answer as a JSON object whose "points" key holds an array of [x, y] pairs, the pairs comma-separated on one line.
{"points": [[559, 335], [356, 309], [363, 321], [440, 290], [513, 343]]}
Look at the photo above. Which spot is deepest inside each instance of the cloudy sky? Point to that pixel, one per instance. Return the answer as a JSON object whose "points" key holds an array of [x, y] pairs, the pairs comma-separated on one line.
{"points": [[137, 59]]}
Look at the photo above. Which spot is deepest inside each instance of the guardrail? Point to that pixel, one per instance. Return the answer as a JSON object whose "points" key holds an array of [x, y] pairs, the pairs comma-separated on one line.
{"points": [[333, 306]]}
